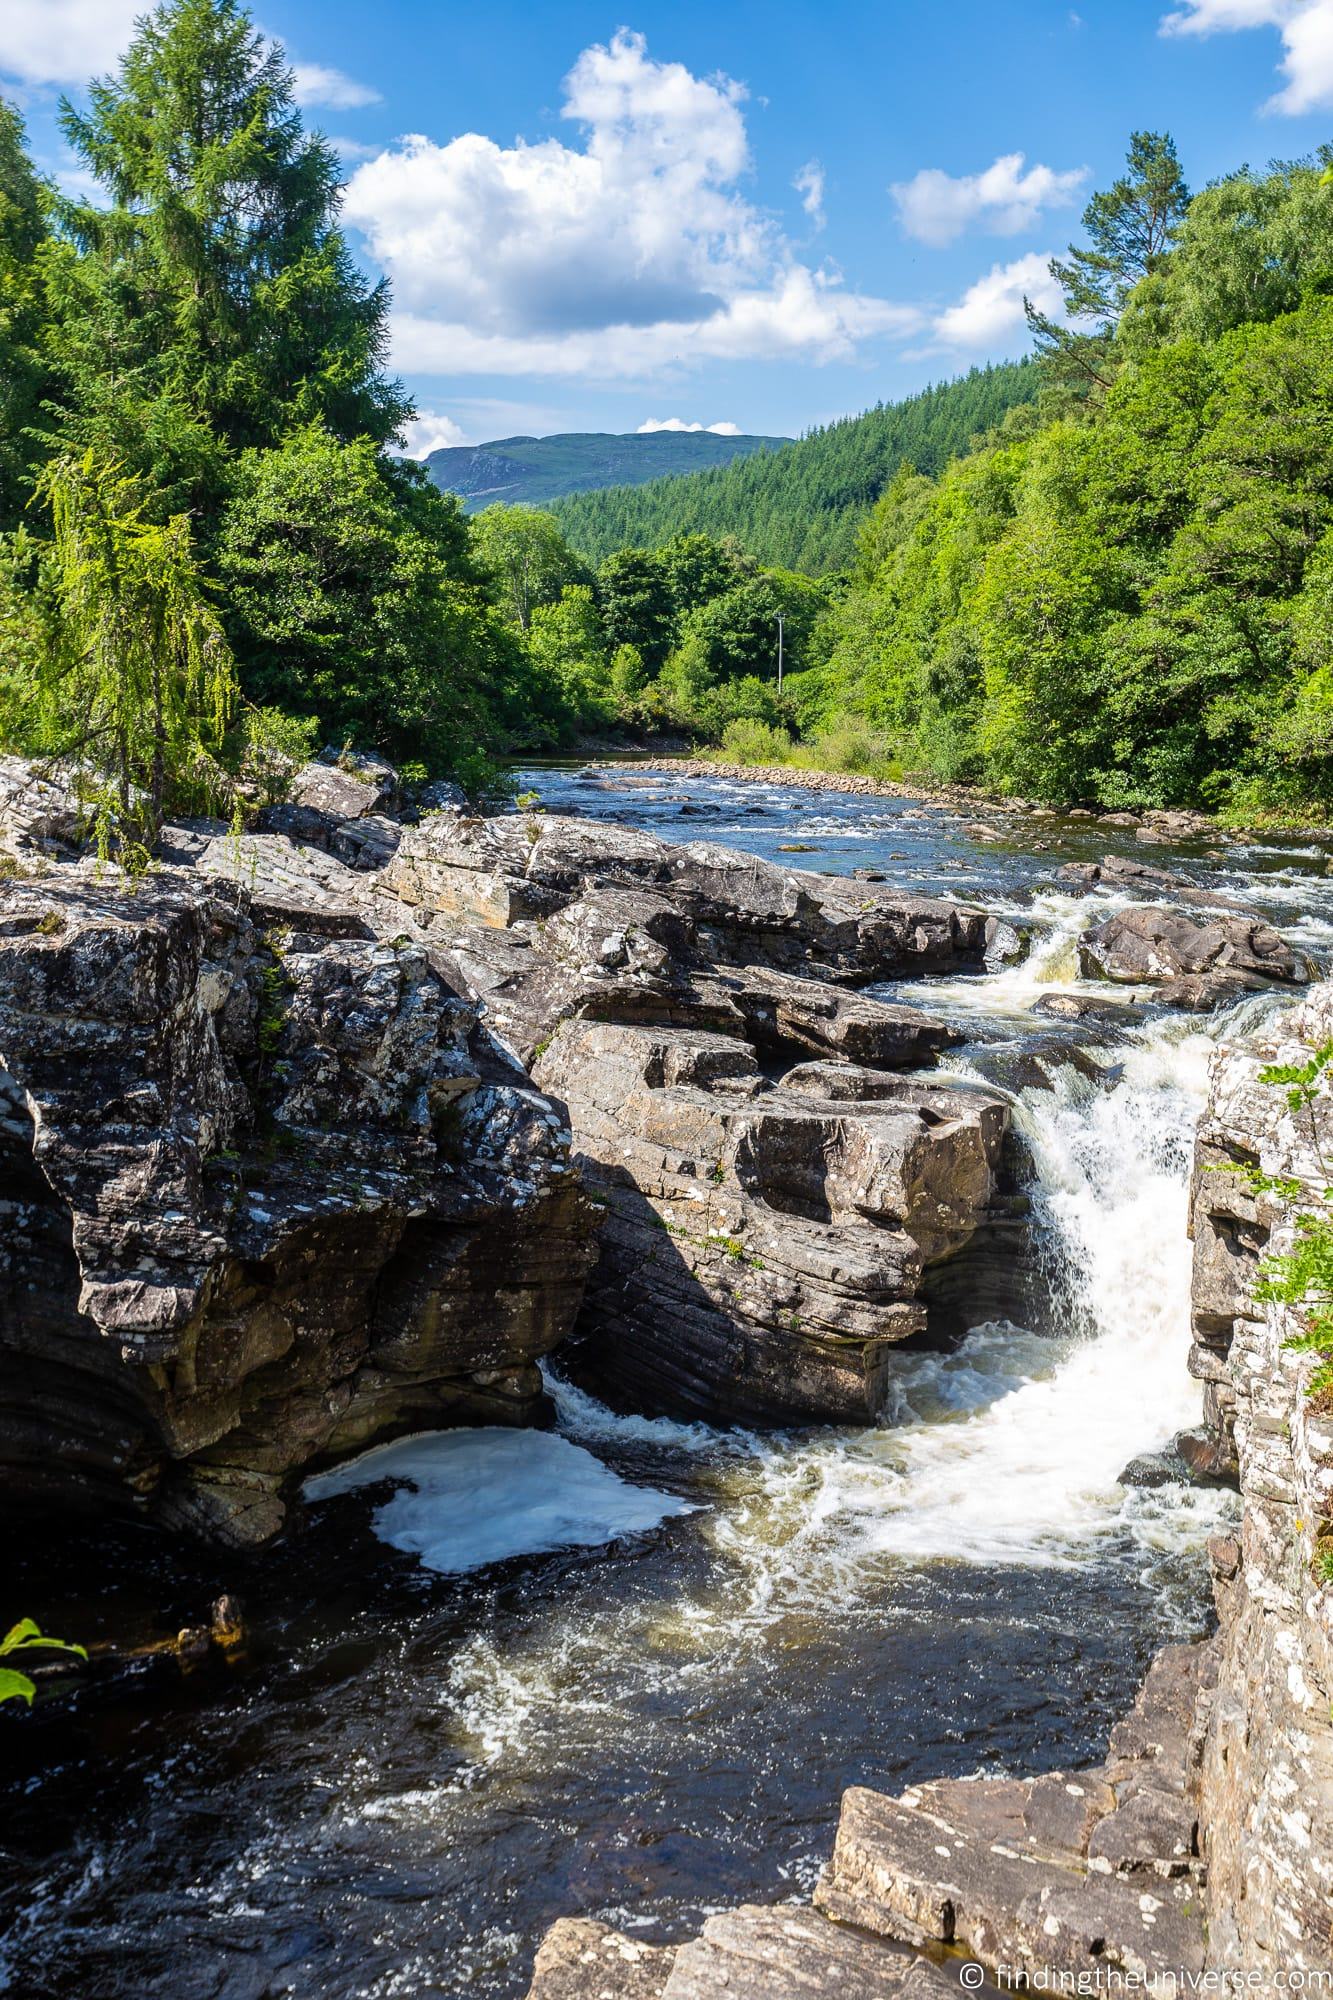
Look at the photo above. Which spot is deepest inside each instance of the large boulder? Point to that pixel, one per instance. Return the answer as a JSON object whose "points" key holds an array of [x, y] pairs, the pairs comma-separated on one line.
{"points": [[269, 1196], [766, 1243], [1193, 962]]}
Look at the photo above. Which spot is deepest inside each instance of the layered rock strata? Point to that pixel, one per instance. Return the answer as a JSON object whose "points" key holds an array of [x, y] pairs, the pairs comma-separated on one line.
{"points": [[278, 1184], [1266, 1800], [771, 1220], [266, 1197]]}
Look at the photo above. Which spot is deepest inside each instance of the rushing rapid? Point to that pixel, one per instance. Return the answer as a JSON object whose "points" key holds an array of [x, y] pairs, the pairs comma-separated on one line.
{"points": [[626, 1667]]}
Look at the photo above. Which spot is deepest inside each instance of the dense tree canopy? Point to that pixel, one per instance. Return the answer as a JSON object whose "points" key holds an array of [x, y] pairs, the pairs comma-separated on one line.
{"points": [[1103, 574], [802, 505], [212, 304], [1129, 601]]}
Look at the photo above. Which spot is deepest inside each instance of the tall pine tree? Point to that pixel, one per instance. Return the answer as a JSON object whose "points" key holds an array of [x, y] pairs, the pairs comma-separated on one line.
{"points": [[212, 304]]}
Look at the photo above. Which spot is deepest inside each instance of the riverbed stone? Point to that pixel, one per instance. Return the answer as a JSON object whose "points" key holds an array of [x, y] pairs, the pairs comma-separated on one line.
{"points": [[580, 1959], [1194, 963]]}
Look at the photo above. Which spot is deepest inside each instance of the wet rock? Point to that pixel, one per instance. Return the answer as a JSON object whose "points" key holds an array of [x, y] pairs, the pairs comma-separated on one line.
{"points": [[582, 1960], [1084, 1007], [1208, 1458], [1151, 1469], [1194, 964], [765, 1243]]}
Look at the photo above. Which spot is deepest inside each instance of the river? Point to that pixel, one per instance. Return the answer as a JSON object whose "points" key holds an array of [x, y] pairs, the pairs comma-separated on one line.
{"points": [[434, 1745]]}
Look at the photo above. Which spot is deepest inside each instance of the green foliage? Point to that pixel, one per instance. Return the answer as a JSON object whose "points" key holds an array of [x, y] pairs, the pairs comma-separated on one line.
{"points": [[214, 304], [1303, 1276], [27, 1637], [137, 674], [1128, 604], [1132, 226], [523, 554], [350, 591], [801, 506], [24, 375]]}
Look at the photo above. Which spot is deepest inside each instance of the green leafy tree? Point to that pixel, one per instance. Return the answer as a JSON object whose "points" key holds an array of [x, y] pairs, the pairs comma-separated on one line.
{"points": [[1252, 247], [567, 642], [351, 594], [138, 678], [638, 605], [526, 558], [213, 305]]}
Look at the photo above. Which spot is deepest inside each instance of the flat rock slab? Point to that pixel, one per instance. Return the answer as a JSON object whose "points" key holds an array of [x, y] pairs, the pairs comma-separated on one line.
{"points": [[751, 1953], [795, 1954], [957, 1864], [583, 1960]]}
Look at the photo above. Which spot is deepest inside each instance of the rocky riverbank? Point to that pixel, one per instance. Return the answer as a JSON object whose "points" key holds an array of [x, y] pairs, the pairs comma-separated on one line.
{"points": [[1154, 824], [278, 1184], [1203, 1844], [327, 1132]]}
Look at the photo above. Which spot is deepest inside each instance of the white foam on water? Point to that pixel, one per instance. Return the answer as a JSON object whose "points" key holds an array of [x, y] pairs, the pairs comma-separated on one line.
{"points": [[467, 1498], [582, 1416]]}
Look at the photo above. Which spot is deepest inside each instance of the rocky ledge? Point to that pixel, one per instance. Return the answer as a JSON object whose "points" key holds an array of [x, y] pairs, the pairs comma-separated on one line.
{"points": [[277, 1182]]}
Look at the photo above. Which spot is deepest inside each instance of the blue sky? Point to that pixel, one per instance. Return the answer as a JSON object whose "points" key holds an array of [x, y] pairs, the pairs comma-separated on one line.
{"points": [[752, 215]]}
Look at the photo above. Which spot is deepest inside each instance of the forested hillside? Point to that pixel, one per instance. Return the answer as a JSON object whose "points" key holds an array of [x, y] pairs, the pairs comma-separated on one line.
{"points": [[531, 472], [802, 506], [1105, 573], [1127, 595]]}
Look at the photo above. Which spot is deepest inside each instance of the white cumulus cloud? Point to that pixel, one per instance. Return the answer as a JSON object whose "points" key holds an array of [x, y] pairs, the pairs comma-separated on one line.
{"points": [[989, 316], [427, 431], [679, 424], [64, 41], [315, 83], [69, 41], [1306, 27], [629, 253], [1006, 198]]}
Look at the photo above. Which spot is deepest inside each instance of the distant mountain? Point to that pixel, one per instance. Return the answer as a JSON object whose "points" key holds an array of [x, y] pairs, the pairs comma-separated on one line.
{"points": [[532, 471], [801, 505]]}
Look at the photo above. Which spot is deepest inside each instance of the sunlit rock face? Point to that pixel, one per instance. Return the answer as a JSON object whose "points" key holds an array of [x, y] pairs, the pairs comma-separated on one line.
{"points": [[269, 1194], [774, 1189], [765, 1242], [279, 1184], [1267, 1772]]}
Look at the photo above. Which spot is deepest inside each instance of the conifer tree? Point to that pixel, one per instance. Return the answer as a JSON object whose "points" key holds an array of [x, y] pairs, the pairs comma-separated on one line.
{"points": [[23, 382], [215, 304]]}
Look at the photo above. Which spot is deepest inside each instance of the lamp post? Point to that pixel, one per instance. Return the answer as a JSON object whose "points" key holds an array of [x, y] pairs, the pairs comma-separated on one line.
{"points": [[779, 652]]}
